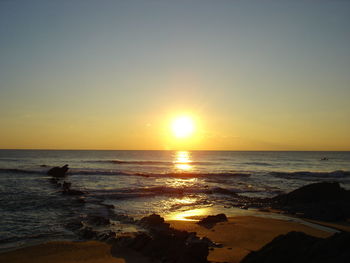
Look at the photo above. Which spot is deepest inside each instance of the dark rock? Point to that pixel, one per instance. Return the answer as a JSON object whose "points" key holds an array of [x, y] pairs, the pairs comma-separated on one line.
{"points": [[124, 218], [297, 247], [108, 206], [107, 236], [211, 221], [325, 201], [317, 192], [75, 225], [195, 253], [80, 200], [58, 171], [154, 222], [66, 186], [98, 220], [87, 233], [166, 244], [73, 192]]}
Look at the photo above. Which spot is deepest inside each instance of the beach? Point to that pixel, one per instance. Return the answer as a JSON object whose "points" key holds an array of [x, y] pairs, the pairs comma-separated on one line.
{"points": [[110, 206], [239, 236], [174, 131]]}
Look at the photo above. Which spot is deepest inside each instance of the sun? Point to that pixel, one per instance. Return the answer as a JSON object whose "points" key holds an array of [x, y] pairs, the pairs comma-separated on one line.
{"points": [[183, 126]]}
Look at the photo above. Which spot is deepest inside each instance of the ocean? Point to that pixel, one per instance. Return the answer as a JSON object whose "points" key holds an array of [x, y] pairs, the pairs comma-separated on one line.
{"points": [[137, 183]]}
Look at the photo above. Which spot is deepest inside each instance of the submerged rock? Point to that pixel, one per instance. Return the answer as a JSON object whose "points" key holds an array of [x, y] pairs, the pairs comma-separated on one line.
{"points": [[298, 247], [58, 171], [211, 221]]}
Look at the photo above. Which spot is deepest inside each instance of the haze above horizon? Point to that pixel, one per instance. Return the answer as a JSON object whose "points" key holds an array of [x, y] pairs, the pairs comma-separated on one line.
{"points": [[250, 75]]}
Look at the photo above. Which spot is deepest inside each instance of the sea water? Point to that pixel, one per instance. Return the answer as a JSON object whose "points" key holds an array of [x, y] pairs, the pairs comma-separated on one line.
{"points": [[137, 183]]}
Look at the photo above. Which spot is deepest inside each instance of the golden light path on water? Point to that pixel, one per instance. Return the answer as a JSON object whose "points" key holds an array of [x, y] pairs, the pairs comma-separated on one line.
{"points": [[183, 161]]}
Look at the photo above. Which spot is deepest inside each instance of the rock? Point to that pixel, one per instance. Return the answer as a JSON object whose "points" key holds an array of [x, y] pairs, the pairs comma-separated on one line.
{"points": [[108, 206], [80, 200], [98, 220], [154, 222], [87, 233], [325, 201], [107, 236], [66, 186], [165, 244], [75, 225], [297, 247], [58, 171], [73, 192], [211, 221], [195, 253], [317, 192]]}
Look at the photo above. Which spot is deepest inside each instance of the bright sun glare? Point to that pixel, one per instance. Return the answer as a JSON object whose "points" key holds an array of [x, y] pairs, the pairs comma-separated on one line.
{"points": [[183, 127]]}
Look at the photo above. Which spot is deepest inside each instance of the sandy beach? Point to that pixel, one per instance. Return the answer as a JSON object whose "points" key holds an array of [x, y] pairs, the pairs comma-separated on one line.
{"points": [[238, 236]]}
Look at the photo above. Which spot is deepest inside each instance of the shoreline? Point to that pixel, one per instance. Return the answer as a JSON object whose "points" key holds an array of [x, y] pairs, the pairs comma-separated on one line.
{"points": [[238, 236]]}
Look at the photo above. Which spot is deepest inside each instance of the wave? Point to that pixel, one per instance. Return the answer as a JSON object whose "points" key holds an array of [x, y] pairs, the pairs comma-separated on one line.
{"points": [[26, 171], [141, 192], [258, 163], [145, 174], [10, 160], [309, 175], [151, 162], [75, 171]]}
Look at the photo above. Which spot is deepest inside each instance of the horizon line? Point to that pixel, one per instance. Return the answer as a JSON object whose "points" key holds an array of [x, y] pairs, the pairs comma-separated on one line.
{"points": [[176, 150]]}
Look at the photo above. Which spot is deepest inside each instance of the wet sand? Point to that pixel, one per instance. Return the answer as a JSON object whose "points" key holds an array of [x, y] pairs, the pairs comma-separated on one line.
{"points": [[239, 236], [243, 234], [71, 252]]}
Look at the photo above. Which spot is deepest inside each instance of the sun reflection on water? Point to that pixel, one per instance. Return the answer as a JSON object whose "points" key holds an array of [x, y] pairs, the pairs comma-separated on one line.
{"points": [[183, 161], [179, 182], [190, 215]]}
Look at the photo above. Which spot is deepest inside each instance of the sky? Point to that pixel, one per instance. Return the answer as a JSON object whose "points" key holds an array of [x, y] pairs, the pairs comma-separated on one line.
{"points": [[253, 75]]}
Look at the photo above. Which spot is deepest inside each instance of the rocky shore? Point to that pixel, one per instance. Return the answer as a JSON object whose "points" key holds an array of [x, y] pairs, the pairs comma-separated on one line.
{"points": [[215, 238]]}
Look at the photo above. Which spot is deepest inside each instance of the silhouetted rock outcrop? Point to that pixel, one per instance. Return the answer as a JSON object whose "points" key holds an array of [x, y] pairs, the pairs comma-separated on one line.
{"points": [[166, 244], [211, 221], [58, 171], [298, 247], [323, 201]]}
